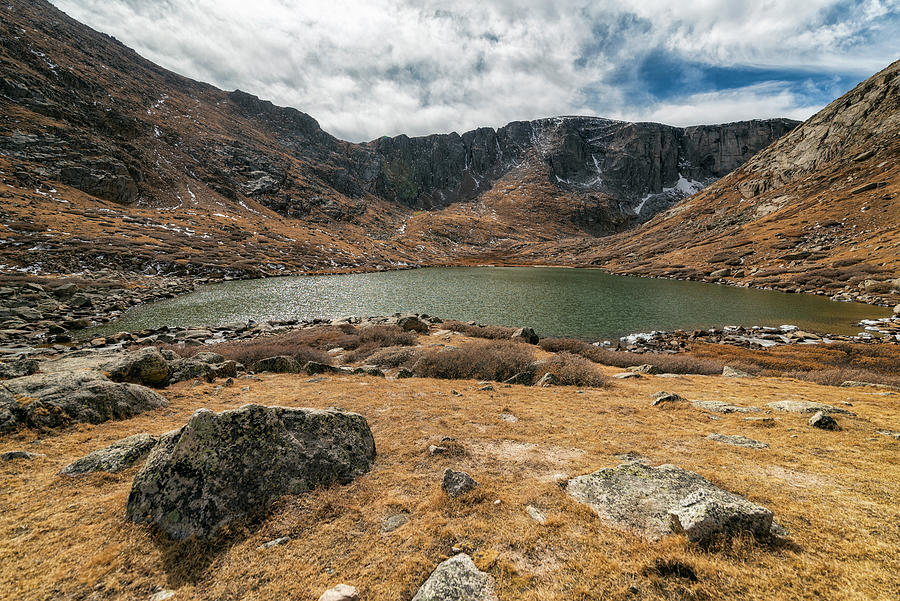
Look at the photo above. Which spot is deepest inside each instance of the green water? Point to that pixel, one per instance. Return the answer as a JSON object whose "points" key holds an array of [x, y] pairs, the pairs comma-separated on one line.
{"points": [[584, 303]]}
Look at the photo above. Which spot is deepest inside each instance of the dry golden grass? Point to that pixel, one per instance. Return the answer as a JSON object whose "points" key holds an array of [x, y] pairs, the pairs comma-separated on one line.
{"points": [[837, 492]]}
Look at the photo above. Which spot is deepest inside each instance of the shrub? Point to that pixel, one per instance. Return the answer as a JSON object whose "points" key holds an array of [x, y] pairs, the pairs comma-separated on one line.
{"points": [[394, 356], [496, 360], [373, 338], [573, 370], [475, 331], [678, 363]]}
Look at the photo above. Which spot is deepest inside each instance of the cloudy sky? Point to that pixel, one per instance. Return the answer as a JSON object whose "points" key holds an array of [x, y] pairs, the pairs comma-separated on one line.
{"points": [[366, 68]]}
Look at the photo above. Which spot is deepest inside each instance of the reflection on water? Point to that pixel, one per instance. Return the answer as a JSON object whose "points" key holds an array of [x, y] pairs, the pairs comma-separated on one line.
{"points": [[585, 303]]}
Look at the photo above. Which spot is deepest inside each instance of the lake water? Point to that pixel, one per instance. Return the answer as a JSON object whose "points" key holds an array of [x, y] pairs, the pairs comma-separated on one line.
{"points": [[583, 303]]}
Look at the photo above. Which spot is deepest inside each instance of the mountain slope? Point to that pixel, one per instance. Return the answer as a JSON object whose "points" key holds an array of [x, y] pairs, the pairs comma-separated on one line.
{"points": [[109, 160], [818, 210]]}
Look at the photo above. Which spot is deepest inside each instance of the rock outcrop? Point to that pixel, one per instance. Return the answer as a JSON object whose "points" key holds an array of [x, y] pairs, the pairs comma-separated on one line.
{"points": [[657, 501], [118, 456], [220, 467], [457, 579], [48, 401]]}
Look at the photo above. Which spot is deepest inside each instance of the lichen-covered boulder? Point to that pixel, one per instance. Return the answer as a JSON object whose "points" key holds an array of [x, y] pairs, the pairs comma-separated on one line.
{"points": [[526, 335], [220, 467], [17, 369], [457, 579], [146, 366], [47, 401], [657, 501], [456, 483], [807, 407], [116, 457], [281, 364]]}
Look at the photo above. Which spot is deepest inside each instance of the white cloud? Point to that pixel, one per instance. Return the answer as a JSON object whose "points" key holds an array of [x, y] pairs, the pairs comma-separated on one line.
{"points": [[384, 67]]}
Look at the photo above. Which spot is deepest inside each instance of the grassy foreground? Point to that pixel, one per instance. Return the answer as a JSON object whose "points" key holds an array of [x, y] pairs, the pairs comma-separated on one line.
{"points": [[837, 492]]}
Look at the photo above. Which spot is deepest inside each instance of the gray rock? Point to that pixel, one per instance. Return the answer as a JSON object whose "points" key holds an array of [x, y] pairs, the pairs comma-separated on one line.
{"points": [[855, 384], [404, 372], [46, 401], [341, 592], [890, 433], [393, 522], [646, 368], [209, 357], [221, 466], [526, 335], [411, 323], [627, 375], [665, 397], [116, 457], [823, 421], [657, 501], [13, 455], [456, 483], [732, 372], [457, 579], [738, 441], [278, 365], [275, 542], [314, 367], [536, 514], [163, 595], [508, 417], [146, 366], [17, 369], [806, 407], [720, 407]]}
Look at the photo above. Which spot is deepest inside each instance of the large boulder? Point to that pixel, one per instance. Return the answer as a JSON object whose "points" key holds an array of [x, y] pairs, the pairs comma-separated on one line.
{"points": [[526, 335], [806, 407], [281, 364], [116, 457], [457, 579], [411, 323], [47, 401], [146, 366], [657, 501], [220, 467]]}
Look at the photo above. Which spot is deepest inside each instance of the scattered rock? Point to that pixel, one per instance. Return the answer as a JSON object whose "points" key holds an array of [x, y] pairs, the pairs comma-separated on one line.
{"points": [[536, 514], [314, 367], [720, 407], [13, 455], [855, 384], [731, 372], [342, 592], [116, 457], [526, 335], [404, 373], [457, 579], [823, 421], [411, 323], [46, 401], [275, 542], [393, 522], [665, 397], [627, 375], [146, 366], [646, 368], [508, 417], [456, 483], [806, 407], [738, 441], [657, 501], [221, 466], [486, 388], [890, 433], [163, 595], [277, 365]]}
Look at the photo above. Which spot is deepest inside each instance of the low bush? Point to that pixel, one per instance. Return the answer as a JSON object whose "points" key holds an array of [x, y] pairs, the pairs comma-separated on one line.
{"points": [[572, 370], [482, 360], [476, 331], [394, 356], [678, 363]]}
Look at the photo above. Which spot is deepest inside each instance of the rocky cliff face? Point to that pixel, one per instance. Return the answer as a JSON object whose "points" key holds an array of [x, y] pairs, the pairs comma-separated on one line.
{"points": [[644, 166]]}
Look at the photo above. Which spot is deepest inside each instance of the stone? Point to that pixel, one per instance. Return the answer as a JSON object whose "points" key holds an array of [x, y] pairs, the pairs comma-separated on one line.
{"points": [[889, 433], [276, 542], [855, 384], [13, 455], [547, 380], [646, 368], [658, 501], [219, 467], [526, 335], [314, 367], [665, 397], [456, 483], [721, 407], [738, 441], [393, 522], [627, 375], [163, 595], [806, 407], [208, 357], [341, 592], [146, 366], [486, 388], [823, 421], [48, 401], [457, 579], [536, 514], [17, 369], [508, 417], [411, 323], [116, 457], [732, 372], [404, 373], [278, 365]]}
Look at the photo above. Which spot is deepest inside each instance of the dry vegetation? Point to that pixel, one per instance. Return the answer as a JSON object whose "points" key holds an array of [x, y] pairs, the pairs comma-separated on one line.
{"points": [[836, 492]]}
